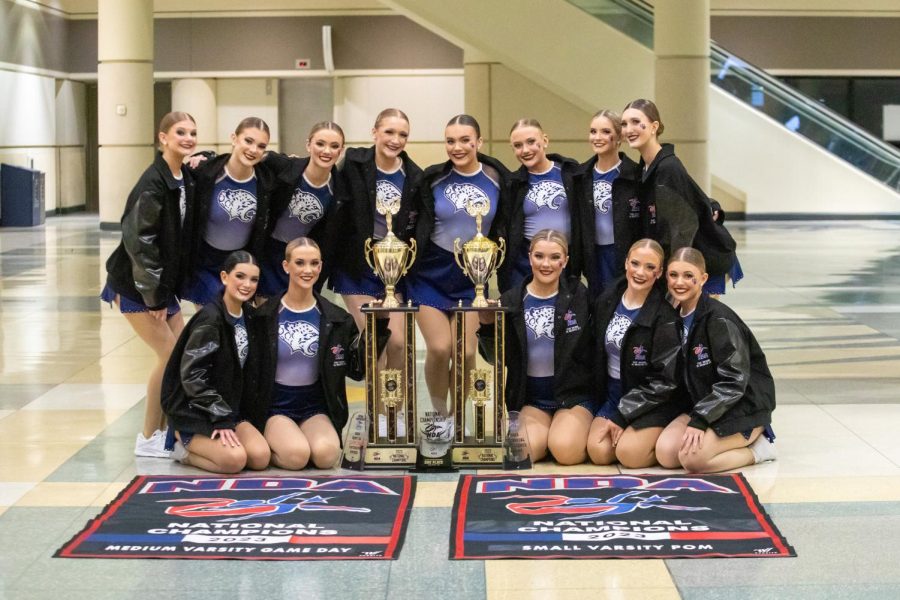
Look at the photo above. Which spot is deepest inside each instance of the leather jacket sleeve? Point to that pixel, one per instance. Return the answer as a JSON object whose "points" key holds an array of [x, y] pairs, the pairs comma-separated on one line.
{"points": [[732, 354], [140, 236], [661, 381], [196, 376]]}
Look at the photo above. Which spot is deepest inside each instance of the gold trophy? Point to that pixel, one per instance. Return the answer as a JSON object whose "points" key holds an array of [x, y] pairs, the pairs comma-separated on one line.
{"points": [[482, 447], [480, 256], [391, 257]]}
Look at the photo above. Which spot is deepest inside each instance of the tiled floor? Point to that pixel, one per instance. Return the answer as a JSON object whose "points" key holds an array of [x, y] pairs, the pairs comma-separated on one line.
{"points": [[821, 297]]}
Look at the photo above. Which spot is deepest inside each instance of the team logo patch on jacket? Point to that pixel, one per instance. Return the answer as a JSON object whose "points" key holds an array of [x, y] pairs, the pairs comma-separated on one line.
{"points": [[702, 354], [539, 321], [571, 322], [462, 194], [337, 352], [306, 207], [640, 356], [238, 204], [602, 196], [300, 336], [546, 193]]}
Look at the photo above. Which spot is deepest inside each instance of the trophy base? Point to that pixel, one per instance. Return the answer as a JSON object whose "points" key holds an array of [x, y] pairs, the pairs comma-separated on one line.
{"points": [[471, 454], [439, 464], [390, 457]]}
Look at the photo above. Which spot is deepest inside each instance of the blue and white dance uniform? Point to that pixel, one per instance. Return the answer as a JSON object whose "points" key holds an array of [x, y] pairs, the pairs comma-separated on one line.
{"points": [[546, 206], [229, 227], [605, 255], [539, 316], [298, 392], [390, 186], [435, 279], [307, 208], [615, 333]]}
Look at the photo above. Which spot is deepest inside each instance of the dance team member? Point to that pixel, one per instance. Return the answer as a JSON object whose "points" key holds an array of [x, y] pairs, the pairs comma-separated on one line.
{"points": [[382, 170], [435, 282], [715, 285], [731, 393], [307, 347], [548, 350], [636, 363], [543, 196], [610, 212], [676, 211], [144, 272], [204, 386], [305, 203], [231, 209]]}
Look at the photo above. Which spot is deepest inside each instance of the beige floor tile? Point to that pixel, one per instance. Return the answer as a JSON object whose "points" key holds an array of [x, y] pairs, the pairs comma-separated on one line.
{"points": [[49, 426], [90, 396], [875, 423], [874, 369], [3, 509], [11, 492], [435, 494], [775, 489], [575, 574], [28, 462], [5, 413], [63, 494], [115, 369], [799, 355], [667, 593], [37, 369]]}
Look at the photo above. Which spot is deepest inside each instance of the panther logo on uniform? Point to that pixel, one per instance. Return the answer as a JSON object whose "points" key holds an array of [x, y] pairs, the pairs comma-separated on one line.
{"points": [[238, 204], [546, 193], [461, 195], [616, 329], [306, 207], [539, 321], [300, 336], [242, 342], [387, 192], [602, 196]]}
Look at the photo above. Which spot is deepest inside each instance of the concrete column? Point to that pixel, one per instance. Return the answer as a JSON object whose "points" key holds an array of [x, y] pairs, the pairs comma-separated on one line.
{"points": [[198, 98], [124, 101], [477, 81], [681, 44]]}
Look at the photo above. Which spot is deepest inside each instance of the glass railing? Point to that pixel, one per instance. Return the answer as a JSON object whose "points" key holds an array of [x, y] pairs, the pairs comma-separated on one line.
{"points": [[796, 111]]}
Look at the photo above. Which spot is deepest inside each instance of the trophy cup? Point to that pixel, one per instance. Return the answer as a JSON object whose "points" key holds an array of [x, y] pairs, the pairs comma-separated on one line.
{"points": [[483, 445], [390, 257], [393, 389], [516, 451], [480, 256]]}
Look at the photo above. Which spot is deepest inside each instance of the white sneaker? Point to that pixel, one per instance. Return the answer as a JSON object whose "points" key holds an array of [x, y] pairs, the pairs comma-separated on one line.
{"points": [[763, 450], [152, 447], [401, 425], [179, 452]]}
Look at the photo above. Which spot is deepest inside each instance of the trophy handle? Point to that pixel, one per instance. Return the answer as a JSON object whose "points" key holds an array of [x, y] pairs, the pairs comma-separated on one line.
{"points": [[412, 257], [501, 245], [457, 253], [366, 252]]}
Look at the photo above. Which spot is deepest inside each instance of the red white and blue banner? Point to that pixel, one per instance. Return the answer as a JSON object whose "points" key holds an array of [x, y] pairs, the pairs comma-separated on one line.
{"points": [[251, 518], [617, 516]]}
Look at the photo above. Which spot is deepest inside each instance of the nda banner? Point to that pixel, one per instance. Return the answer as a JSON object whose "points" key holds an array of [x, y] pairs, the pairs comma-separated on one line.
{"points": [[251, 518], [621, 516]]}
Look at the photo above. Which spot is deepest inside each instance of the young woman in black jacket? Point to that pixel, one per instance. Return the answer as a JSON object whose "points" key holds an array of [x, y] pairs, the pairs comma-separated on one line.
{"points": [[144, 272], [305, 203], [204, 385], [542, 196], [636, 363], [731, 393], [306, 347], [548, 348], [610, 212], [435, 282], [675, 210], [231, 209], [383, 170]]}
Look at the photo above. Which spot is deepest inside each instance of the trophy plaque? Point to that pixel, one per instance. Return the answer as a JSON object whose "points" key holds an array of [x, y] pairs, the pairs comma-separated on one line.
{"points": [[355, 442], [393, 390], [516, 451], [479, 444]]}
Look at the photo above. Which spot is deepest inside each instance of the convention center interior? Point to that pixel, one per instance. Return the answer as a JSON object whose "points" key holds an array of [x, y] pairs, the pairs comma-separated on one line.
{"points": [[471, 299]]}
